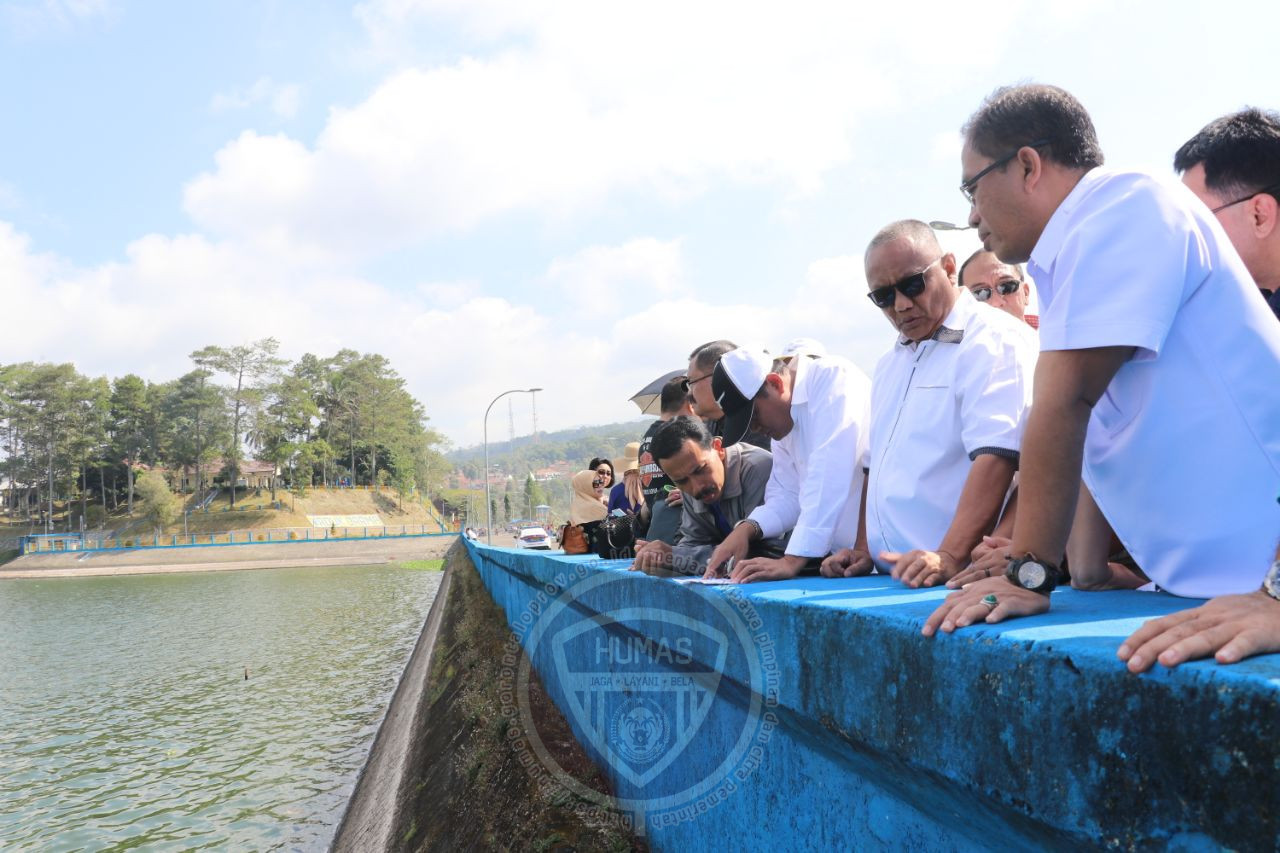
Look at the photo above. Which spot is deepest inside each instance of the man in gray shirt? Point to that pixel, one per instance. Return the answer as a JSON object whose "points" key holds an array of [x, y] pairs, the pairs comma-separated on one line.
{"points": [[722, 485]]}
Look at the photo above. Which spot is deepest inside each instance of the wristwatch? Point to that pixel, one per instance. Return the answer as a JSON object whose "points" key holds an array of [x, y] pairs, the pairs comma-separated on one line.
{"points": [[759, 530], [1271, 584], [1031, 572]]}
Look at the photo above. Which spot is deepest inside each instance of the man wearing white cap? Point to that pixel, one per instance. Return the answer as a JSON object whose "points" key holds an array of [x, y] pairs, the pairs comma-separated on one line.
{"points": [[816, 412]]}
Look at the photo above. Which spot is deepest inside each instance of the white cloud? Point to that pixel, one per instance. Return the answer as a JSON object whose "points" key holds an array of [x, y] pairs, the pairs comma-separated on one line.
{"points": [[564, 106], [171, 295], [601, 280], [283, 99]]}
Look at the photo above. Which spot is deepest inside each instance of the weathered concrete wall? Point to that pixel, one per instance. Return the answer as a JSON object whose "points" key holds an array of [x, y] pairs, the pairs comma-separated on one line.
{"points": [[1027, 735], [442, 773]]}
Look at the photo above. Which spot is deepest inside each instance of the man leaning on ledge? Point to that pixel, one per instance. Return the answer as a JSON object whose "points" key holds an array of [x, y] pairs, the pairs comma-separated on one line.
{"points": [[947, 405], [722, 486], [1156, 381]]}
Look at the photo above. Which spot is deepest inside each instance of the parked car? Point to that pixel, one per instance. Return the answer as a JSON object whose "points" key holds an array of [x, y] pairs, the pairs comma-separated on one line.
{"points": [[533, 537]]}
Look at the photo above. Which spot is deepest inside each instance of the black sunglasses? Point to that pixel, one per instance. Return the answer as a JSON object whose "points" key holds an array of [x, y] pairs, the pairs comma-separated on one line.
{"points": [[1005, 288], [910, 287], [968, 187]]}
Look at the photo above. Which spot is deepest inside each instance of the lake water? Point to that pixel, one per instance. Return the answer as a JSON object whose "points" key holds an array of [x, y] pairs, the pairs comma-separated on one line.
{"points": [[126, 719]]}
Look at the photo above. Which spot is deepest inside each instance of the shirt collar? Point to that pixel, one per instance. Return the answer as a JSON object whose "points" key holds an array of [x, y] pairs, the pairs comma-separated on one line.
{"points": [[951, 329], [800, 387], [1055, 230]]}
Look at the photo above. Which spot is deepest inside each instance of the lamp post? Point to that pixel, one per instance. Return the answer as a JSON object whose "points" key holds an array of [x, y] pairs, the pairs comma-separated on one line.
{"points": [[488, 502]]}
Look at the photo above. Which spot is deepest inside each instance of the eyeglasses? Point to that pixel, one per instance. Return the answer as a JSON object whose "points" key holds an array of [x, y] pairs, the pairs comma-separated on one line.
{"points": [[1271, 190], [690, 381], [910, 287], [968, 188], [1005, 288], [597, 483]]}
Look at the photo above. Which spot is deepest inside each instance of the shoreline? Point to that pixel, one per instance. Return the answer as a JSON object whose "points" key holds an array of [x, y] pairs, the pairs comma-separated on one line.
{"points": [[225, 558]]}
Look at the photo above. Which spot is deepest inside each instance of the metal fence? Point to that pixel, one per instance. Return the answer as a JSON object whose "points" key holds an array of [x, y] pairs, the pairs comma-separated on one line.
{"points": [[44, 545]]}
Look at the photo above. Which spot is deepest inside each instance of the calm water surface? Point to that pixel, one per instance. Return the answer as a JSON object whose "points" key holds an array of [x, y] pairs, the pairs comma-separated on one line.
{"points": [[126, 720]]}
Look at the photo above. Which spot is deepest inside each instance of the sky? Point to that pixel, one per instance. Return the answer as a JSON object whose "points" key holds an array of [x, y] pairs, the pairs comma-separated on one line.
{"points": [[502, 194]]}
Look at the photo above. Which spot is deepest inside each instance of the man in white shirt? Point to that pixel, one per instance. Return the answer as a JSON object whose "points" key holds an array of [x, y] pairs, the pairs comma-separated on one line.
{"points": [[1233, 166], [815, 410], [1156, 381], [998, 284], [947, 405]]}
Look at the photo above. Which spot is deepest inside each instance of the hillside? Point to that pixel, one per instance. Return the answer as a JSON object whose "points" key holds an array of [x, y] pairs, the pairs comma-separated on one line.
{"points": [[577, 446]]}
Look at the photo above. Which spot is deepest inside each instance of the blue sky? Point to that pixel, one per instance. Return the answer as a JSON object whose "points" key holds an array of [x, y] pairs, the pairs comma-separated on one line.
{"points": [[499, 194]]}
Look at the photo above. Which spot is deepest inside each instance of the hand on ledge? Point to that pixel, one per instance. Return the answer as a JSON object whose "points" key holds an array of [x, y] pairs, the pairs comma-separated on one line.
{"points": [[652, 557], [1231, 628], [847, 563], [966, 606], [765, 569], [919, 567], [988, 560], [735, 545]]}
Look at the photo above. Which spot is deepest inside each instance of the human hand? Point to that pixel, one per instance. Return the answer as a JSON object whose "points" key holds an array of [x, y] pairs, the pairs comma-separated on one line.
{"points": [[919, 567], [846, 563], [988, 560], [969, 605], [766, 569], [675, 497], [1231, 628], [651, 556], [735, 545]]}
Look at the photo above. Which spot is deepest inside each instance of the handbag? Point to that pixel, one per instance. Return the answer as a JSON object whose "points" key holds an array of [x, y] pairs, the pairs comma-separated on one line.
{"points": [[616, 537], [573, 539]]}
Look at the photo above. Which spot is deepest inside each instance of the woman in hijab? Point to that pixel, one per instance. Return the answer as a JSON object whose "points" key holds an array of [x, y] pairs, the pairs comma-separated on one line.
{"points": [[626, 495], [585, 507]]}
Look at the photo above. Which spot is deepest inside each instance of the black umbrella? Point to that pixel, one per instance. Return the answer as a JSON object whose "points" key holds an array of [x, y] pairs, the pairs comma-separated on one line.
{"points": [[649, 398]]}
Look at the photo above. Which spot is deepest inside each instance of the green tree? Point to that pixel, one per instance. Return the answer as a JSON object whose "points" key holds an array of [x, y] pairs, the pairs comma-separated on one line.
{"points": [[534, 496], [158, 503], [128, 419], [196, 413], [250, 366]]}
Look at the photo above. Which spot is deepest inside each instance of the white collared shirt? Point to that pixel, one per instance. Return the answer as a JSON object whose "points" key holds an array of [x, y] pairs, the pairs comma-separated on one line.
{"points": [[936, 406], [815, 489], [1183, 450]]}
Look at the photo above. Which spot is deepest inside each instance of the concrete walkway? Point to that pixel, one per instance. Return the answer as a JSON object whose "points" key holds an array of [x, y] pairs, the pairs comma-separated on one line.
{"points": [[222, 558]]}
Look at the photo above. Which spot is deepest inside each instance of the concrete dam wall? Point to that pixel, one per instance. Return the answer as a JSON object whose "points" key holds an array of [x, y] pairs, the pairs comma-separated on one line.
{"points": [[811, 714]]}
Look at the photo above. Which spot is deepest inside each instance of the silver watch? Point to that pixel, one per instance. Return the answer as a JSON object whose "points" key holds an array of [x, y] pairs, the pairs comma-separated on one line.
{"points": [[1271, 584]]}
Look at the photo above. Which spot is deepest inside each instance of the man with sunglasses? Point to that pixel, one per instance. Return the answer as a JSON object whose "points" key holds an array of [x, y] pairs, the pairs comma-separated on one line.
{"points": [[1233, 166], [662, 499], [947, 404], [1156, 383], [998, 284]]}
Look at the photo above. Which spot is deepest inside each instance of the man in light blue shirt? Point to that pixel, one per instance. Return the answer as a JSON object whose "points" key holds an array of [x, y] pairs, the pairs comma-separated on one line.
{"points": [[1156, 380]]}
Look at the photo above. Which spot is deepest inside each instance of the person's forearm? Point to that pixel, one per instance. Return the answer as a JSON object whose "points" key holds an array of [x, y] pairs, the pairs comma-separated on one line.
{"points": [[1004, 527], [1089, 545], [1052, 452], [860, 540], [979, 506]]}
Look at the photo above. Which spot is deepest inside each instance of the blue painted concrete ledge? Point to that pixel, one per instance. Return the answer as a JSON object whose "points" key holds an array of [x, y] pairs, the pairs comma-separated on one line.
{"points": [[812, 714]]}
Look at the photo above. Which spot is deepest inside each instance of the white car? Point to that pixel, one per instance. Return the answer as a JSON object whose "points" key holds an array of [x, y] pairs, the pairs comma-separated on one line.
{"points": [[533, 537]]}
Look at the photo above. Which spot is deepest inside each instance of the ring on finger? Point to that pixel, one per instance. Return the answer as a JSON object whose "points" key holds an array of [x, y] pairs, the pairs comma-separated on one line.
{"points": [[990, 600], [986, 572]]}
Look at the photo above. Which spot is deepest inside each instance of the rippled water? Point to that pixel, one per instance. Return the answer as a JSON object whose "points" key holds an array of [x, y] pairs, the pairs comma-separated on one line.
{"points": [[126, 719]]}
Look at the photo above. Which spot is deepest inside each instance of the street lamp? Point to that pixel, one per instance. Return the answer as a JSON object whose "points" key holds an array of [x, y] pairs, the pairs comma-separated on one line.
{"points": [[939, 225], [488, 502]]}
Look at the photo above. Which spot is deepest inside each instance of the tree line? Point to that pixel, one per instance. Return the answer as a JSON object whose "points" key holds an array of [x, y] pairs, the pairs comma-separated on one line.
{"points": [[66, 436]]}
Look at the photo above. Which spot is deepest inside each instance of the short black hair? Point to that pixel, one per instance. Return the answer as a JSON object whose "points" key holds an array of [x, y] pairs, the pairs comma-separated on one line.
{"points": [[1240, 152], [674, 393], [1017, 268], [669, 440], [706, 356], [1014, 116]]}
